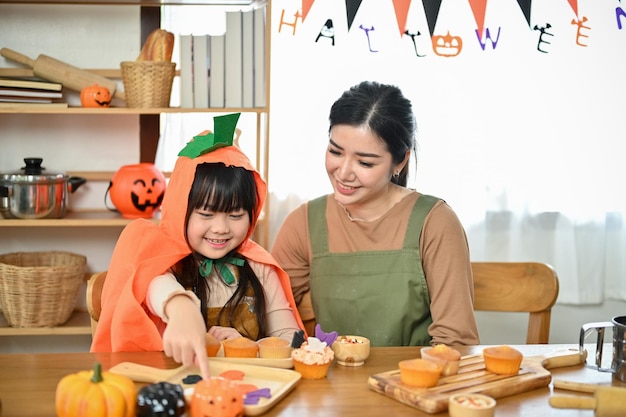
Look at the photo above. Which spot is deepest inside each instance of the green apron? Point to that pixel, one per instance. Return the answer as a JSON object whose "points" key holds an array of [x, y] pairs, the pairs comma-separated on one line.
{"points": [[381, 295]]}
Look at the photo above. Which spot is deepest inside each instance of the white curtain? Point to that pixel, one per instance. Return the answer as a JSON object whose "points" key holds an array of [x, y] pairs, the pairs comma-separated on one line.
{"points": [[179, 128]]}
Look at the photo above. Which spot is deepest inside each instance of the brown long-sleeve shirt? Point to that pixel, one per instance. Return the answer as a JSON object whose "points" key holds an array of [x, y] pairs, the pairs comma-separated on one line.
{"points": [[443, 249]]}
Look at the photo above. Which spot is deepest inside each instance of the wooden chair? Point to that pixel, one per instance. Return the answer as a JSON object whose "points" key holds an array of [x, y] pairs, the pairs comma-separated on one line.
{"points": [[94, 294], [521, 287], [530, 287]]}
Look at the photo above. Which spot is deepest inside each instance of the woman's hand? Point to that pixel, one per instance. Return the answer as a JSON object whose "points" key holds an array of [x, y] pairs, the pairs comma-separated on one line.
{"points": [[223, 333], [184, 338]]}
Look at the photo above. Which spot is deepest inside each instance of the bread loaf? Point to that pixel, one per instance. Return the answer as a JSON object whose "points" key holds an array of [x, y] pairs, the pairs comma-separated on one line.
{"points": [[158, 46]]}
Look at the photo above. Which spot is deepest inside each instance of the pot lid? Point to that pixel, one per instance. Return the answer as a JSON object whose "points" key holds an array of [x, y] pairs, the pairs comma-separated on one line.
{"points": [[32, 172]]}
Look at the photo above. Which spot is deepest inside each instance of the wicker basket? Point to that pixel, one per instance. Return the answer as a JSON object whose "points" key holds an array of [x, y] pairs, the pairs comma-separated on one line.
{"points": [[40, 289], [148, 84]]}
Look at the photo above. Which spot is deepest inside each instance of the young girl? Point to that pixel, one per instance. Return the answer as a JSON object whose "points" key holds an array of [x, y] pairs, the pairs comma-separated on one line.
{"points": [[198, 270]]}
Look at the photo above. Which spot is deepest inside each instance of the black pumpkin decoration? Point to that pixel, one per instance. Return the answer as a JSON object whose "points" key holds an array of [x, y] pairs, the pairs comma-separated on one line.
{"points": [[161, 399]]}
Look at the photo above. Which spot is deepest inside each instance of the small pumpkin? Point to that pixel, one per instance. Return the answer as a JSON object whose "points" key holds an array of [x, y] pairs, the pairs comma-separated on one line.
{"points": [[95, 394], [161, 399], [216, 397], [95, 96]]}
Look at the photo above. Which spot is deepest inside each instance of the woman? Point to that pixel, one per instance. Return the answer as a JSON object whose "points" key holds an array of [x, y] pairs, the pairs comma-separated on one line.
{"points": [[376, 258]]}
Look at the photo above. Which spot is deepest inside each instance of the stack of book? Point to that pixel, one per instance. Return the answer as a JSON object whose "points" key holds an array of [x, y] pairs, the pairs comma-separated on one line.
{"points": [[22, 92], [227, 70]]}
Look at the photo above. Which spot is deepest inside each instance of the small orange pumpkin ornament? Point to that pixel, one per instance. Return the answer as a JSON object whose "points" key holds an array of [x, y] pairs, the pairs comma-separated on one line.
{"points": [[95, 96], [216, 397], [95, 393], [447, 45], [137, 190]]}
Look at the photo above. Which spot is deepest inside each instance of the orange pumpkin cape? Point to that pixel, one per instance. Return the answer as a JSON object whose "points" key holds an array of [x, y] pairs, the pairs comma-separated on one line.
{"points": [[145, 250]]}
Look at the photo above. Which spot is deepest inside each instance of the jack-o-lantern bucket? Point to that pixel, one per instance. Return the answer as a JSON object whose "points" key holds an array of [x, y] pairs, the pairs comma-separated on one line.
{"points": [[137, 190]]}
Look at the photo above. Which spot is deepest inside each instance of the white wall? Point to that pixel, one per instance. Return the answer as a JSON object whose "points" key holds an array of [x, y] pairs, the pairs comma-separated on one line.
{"points": [[544, 112]]}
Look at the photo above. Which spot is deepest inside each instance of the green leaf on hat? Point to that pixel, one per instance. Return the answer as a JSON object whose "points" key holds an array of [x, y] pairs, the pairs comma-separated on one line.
{"points": [[224, 135]]}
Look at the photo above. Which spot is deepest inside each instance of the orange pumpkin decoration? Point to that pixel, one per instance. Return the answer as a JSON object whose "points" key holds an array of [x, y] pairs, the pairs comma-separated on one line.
{"points": [[447, 45], [216, 397], [95, 393], [137, 190], [95, 96]]}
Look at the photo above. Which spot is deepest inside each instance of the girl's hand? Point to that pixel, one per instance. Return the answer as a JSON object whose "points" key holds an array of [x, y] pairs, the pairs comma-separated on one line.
{"points": [[223, 333], [184, 338]]}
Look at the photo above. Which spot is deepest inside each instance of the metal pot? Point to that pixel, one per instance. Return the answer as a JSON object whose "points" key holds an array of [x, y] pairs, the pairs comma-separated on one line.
{"points": [[31, 193]]}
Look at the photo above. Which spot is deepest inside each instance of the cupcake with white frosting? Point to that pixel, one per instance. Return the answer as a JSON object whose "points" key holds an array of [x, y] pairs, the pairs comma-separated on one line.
{"points": [[312, 359]]}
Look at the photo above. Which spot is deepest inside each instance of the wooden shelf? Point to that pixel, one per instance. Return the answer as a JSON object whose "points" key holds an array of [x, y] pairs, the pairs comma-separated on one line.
{"points": [[28, 72], [78, 324], [125, 110], [86, 218], [112, 73], [145, 3]]}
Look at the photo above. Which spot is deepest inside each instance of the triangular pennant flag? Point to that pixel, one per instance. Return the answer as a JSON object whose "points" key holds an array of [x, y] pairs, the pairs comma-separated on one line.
{"points": [[525, 6], [431, 8], [352, 6], [574, 4], [306, 6], [479, 8], [402, 10]]}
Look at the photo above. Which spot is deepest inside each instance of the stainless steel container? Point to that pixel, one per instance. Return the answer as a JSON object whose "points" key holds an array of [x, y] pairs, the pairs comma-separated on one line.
{"points": [[34, 193]]}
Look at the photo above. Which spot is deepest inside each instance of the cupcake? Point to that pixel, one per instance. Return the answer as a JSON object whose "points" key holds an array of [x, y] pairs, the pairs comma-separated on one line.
{"points": [[212, 345], [274, 347], [448, 358], [240, 347], [312, 359], [420, 373], [503, 360]]}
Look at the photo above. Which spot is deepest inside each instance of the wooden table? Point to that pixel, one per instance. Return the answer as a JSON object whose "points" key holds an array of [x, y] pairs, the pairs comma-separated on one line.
{"points": [[28, 383]]}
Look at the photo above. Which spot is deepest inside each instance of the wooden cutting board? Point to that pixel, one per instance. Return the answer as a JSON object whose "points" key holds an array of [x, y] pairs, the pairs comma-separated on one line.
{"points": [[279, 381], [472, 377]]}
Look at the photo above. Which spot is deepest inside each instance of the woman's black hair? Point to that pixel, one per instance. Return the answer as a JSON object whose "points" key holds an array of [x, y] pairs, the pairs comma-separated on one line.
{"points": [[220, 188], [386, 112]]}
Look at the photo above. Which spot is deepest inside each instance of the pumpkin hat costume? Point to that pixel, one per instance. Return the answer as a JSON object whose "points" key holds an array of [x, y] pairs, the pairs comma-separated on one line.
{"points": [[145, 250]]}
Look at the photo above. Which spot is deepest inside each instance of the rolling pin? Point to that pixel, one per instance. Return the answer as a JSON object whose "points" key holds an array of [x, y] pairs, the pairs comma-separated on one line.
{"points": [[607, 401], [60, 72]]}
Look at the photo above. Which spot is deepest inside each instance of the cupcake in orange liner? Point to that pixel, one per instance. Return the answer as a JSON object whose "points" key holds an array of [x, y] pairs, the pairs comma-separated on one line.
{"points": [[447, 357], [420, 373], [274, 347], [212, 345], [240, 347], [312, 359], [503, 360]]}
